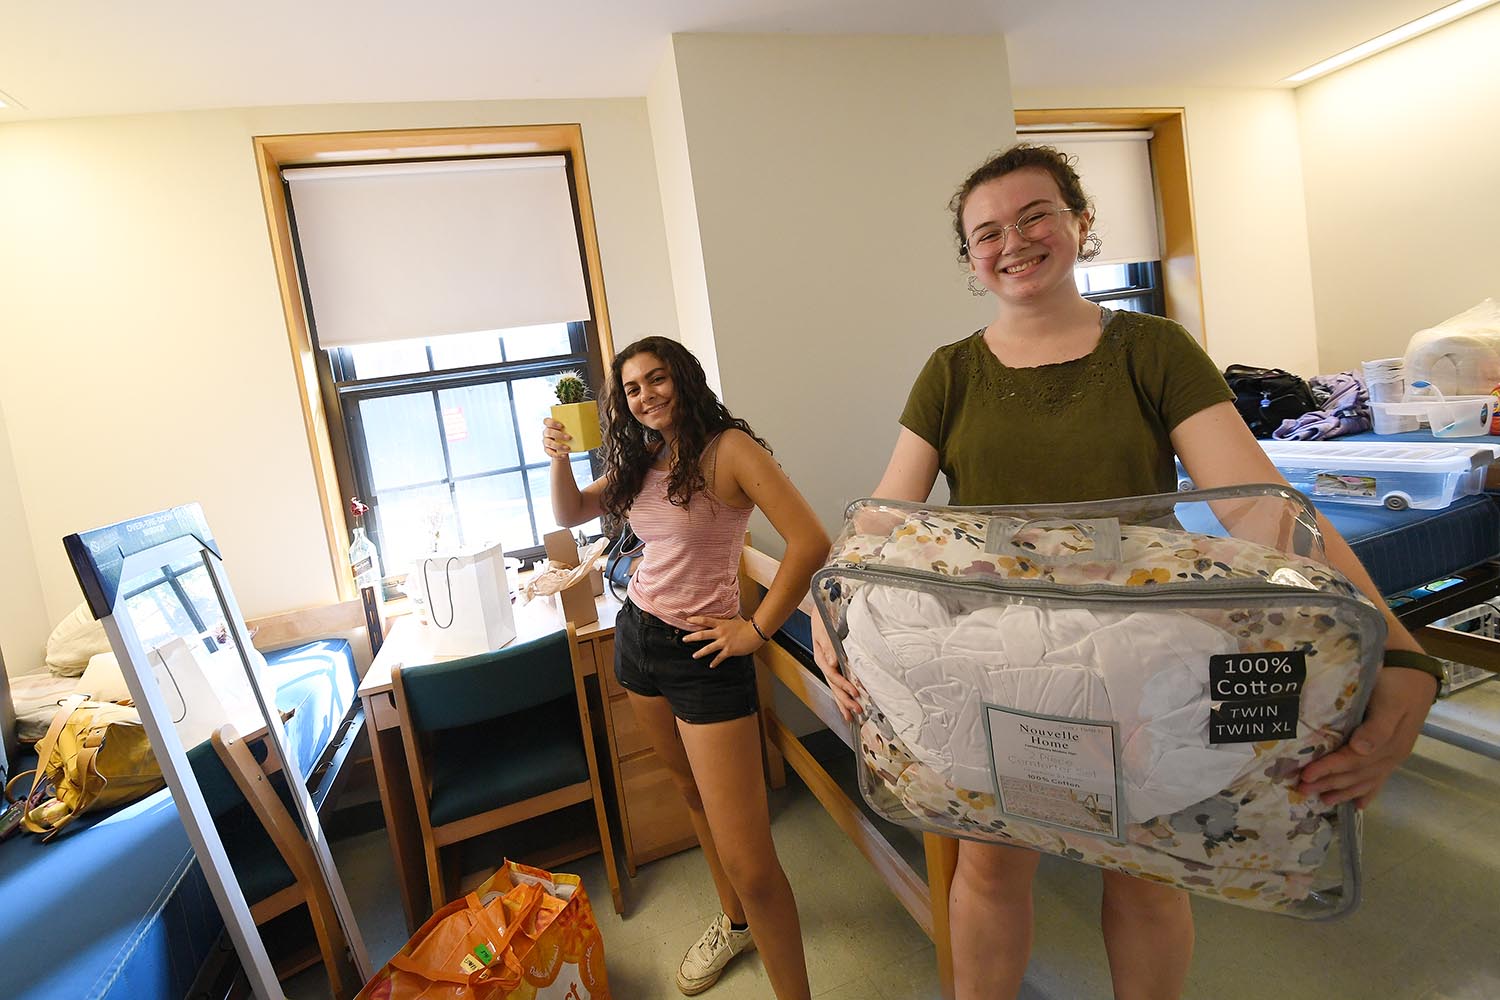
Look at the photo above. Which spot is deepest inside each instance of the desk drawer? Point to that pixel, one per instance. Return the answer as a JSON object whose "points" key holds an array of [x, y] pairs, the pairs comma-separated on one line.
{"points": [[629, 737], [654, 811]]}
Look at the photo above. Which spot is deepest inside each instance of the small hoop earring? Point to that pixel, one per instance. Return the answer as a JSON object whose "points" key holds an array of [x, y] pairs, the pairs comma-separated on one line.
{"points": [[1090, 249], [975, 288]]}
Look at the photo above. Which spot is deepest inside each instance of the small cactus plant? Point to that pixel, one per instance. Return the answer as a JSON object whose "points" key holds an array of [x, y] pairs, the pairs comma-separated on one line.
{"points": [[571, 388], [576, 412]]}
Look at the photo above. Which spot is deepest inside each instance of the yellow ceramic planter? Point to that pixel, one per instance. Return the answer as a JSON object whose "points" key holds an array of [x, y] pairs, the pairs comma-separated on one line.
{"points": [[581, 421]]}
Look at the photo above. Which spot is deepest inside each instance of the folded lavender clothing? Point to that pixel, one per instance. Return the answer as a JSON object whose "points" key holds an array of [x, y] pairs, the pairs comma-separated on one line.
{"points": [[1345, 410]]}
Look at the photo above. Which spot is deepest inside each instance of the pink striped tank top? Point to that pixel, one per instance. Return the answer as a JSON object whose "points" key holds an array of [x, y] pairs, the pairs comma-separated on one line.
{"points": [[691, 563]]}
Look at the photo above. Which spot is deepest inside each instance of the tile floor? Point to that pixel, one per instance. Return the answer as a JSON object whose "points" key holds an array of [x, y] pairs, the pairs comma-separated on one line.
{"points": [[1426, 931]]}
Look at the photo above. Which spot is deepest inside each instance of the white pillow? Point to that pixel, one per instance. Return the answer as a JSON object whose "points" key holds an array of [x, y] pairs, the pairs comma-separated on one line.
{"points": [[77, 638]]}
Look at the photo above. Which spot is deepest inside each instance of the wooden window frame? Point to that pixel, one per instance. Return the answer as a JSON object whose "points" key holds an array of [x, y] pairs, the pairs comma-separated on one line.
{"points": [[1181, 283], [321, 410]]}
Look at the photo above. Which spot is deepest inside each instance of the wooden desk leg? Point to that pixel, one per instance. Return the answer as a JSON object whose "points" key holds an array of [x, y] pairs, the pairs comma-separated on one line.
{"points": [[942, 860], [772, 758], [400, 811]]}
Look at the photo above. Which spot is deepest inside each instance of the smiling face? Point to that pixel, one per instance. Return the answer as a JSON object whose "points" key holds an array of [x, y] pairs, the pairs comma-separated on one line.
{"points": [[1027, 269], [649, 390]]}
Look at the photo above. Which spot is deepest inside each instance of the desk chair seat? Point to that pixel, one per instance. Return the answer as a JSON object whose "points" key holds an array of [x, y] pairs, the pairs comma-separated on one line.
{"points": [[489, 765], [496, 739]]}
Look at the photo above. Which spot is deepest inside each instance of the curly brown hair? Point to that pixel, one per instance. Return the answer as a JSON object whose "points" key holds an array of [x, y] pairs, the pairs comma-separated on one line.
{"points": [[1021, 156], [630, 447]]}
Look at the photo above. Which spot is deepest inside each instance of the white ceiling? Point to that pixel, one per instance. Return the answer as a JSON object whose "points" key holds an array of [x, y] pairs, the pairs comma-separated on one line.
{"points": [[64, 58]]}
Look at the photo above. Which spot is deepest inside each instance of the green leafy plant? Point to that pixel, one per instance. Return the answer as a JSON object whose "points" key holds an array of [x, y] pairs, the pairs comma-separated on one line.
{"points": [[571, 388]]}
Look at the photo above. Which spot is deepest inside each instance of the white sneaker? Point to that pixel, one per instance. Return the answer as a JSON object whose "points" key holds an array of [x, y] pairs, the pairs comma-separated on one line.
{"points": [[704, 962]]}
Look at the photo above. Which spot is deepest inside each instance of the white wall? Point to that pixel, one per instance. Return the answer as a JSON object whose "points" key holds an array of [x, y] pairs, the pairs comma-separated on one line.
{"points": [[1245, 163], [679, 205], [821, 169], [146, 355], [1402, 159], [23, 620]]}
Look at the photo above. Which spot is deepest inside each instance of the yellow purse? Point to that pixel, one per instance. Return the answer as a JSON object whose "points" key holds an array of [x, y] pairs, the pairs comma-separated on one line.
{"points": [[95, 755]]}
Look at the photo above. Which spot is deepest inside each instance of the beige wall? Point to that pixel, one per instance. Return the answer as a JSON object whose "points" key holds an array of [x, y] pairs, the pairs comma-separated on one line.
{"points": [[821, 170], [1402, 159], [23, 621], [1246, 166], [146, 352], [679, 205]]}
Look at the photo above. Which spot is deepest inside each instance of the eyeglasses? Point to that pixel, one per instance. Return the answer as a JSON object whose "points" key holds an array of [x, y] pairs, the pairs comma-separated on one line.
{"points": [[1036, 225]]}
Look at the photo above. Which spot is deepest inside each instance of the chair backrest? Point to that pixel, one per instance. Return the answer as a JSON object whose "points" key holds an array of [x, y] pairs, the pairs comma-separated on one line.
{"points": [[489, 685]]}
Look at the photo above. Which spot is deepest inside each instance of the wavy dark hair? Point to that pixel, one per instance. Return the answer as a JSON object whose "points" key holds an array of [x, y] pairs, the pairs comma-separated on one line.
{"points": [[1019, 157], [630, 447]]}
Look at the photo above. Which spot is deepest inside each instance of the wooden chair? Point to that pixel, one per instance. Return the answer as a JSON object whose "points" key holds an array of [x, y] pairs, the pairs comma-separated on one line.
{"points": [[495, 739], [272, 860]]}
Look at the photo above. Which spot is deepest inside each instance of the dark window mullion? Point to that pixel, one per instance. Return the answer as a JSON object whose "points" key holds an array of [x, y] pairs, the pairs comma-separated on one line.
{"points": [[515, 422], [437, 405]]}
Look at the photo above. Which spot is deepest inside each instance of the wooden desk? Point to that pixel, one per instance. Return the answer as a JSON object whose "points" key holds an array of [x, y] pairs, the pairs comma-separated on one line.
{"points": [[653, 819], [410, 643]]}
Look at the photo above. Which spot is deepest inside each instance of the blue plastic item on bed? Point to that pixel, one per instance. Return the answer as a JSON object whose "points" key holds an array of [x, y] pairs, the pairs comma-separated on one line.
{"points": [[117, 906]]}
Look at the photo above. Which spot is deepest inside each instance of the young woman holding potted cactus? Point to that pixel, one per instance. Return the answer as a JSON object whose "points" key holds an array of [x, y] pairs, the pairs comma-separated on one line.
{"points": [[688, 474]]}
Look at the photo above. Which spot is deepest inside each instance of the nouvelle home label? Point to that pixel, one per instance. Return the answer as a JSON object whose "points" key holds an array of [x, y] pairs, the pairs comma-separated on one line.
{"points": [[1255, 696]]}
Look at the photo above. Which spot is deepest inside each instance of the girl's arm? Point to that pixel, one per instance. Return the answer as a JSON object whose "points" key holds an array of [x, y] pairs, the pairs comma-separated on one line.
{"points": [[570, 505], [754, 472], [1217, 449], [910, 476]]}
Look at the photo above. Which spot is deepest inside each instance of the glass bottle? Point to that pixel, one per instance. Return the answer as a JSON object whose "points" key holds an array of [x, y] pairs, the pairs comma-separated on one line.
{"points": [[364, 562]]}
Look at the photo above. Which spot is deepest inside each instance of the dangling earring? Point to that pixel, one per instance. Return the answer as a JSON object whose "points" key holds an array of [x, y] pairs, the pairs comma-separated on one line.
{"points": [[1090, 248], [975, 288]]}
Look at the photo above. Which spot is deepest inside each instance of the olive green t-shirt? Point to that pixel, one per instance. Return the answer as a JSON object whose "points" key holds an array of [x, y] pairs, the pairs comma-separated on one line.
{"points": [[1087, 429]]}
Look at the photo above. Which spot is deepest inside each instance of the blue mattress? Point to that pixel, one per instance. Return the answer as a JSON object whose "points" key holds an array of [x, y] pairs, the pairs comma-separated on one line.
{"points": [[1406, 549], [117, 906]]}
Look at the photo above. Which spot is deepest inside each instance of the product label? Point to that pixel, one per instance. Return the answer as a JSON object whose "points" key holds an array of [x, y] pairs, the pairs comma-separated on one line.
{"points": [[1253, 721], [1255, 696], [470, 965], [1332, 484], [1246, 676], [1056, 771], [362, 567]]}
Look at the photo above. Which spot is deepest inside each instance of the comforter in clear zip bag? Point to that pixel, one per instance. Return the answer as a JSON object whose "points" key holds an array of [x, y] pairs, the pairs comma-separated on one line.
{"points": [[1133, 683]]}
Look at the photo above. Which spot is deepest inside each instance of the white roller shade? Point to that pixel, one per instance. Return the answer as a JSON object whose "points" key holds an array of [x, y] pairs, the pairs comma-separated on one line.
{"points": [[1116, 171], [402, 250]]}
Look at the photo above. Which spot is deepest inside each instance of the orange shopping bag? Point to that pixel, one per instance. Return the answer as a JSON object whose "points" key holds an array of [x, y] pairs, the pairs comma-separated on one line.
{"points": [[560, 950], [525, 934]]}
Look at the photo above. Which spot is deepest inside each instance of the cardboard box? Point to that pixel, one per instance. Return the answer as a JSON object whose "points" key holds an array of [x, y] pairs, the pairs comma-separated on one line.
{"points": [[578, 600]]}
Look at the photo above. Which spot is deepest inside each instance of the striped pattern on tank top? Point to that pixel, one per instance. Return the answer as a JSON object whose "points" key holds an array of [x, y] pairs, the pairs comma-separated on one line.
{"points": [[691, 563]]}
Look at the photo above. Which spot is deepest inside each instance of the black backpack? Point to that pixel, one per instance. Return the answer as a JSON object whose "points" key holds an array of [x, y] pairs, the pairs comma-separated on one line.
{"points": [[1267, 396]]}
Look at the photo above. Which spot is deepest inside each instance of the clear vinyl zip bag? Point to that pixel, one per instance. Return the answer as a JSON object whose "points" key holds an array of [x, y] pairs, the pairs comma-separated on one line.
{"points": [[1130, 683]]}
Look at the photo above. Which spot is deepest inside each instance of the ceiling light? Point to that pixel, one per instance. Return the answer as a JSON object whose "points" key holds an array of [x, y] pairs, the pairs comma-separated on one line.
{"points": [[1396, 36]]}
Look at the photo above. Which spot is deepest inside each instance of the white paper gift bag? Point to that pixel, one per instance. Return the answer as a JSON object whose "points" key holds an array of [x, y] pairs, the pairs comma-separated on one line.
{"points": [[467, 600]]}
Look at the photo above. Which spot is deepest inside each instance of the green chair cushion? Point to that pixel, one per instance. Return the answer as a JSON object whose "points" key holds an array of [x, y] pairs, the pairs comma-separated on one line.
{"points": [[477, 768], [478, 688]]}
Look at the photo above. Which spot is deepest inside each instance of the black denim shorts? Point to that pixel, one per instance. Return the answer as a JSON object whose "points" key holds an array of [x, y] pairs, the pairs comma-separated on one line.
{"points": [[652, 660]]}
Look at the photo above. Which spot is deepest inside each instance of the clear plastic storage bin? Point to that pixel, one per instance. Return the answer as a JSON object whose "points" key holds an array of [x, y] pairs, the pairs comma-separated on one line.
{"points": [[1396, 475], [1454, 416]]}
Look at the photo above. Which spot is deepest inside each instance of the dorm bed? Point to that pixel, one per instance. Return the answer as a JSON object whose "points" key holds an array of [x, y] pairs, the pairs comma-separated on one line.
{"points": [[1403, 550], [117, 907]]}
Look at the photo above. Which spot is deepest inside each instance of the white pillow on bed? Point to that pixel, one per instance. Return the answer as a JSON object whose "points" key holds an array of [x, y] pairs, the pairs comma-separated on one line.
{"points": [[76, 639], [36, 698]]}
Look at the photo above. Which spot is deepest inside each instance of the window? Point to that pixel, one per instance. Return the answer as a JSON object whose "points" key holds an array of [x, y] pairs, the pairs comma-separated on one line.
{"points": [[444, 437], [1136, 287], [434, 283]]}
